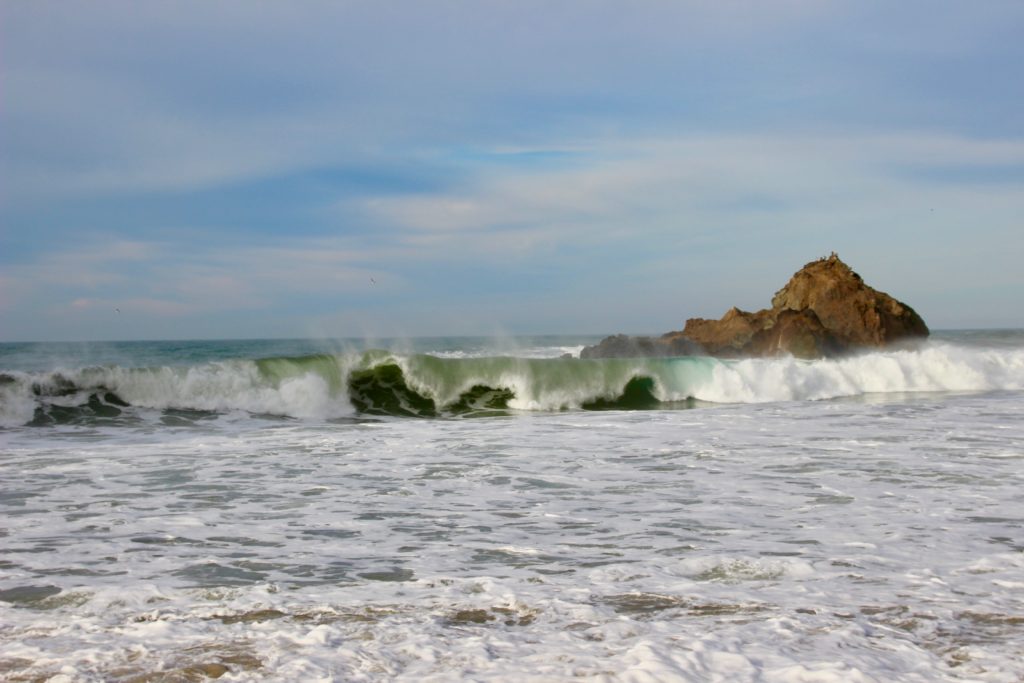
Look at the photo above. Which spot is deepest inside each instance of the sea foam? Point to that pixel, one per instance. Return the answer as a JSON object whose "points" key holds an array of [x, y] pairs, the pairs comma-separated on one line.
{"points": [[323, 386]]}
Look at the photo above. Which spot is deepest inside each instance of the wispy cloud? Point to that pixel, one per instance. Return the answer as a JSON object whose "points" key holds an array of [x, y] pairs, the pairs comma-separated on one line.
{"points": [[635, 227], [712, 208], [683, 185], [106, 100], [540, 166]]}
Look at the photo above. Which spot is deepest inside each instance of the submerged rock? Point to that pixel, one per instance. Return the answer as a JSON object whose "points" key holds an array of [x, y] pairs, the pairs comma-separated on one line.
{"points": [[798, 333], [825, 309], [624, 346]]}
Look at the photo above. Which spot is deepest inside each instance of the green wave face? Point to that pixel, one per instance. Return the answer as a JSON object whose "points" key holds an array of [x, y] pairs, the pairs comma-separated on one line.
{"points": [[326, 386], [384, 383], [428, 386], [382, 390], [370, 383], [325, 366]]}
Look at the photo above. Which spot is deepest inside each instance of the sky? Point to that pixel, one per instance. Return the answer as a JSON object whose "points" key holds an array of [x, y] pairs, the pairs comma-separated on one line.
{"points": [[186, 170]]}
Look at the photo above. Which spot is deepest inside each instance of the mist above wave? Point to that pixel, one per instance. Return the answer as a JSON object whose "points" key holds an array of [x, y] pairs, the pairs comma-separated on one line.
{"points": [[326, 386]]}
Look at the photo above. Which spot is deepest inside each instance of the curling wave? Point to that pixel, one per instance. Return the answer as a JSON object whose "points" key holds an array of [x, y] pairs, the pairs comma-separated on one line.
{"points": [[388, 383]]}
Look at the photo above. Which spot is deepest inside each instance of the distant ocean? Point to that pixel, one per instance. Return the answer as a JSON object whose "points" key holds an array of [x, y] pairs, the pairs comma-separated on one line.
{"points": [[500, 510]]}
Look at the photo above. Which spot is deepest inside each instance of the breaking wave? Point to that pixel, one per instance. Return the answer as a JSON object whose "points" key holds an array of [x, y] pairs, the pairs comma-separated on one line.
{"points": [[389, 383]]}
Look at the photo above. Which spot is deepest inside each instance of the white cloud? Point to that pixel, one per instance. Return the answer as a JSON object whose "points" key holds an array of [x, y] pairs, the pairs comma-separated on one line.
{"points": [[120, 98], [97, 135], [656, 185], [726, 208], [652, 229]]}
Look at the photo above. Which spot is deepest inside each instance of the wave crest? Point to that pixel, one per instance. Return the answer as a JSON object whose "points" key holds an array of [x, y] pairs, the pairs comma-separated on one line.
{"points": [[387, 383]]}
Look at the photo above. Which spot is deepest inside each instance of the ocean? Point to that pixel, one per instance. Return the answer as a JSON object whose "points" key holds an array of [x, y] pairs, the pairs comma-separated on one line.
{"points": [[500, 510]]}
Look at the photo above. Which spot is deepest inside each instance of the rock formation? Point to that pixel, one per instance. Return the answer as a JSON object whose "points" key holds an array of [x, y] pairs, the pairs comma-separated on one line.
{"points": [[825, 309], [856, 314]]}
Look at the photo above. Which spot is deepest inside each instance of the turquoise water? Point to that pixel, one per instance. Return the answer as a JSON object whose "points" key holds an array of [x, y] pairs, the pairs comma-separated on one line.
{"points": [[43, 356]]}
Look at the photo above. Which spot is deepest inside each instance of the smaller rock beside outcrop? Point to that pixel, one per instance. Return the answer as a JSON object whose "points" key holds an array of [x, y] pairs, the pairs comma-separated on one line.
{"points": [[740, 334], [729, 336]]}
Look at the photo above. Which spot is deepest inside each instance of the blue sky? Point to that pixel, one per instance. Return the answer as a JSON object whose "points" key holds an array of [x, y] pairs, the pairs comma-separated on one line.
{"points": [[348, 169]]}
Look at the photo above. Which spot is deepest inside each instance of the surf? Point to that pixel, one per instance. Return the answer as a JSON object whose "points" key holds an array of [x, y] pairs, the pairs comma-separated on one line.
{"points": [[389, 383]]}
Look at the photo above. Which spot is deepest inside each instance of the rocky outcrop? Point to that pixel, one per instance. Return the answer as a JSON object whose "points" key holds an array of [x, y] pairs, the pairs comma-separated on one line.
{"points": [[825, 309], [856, 314]]}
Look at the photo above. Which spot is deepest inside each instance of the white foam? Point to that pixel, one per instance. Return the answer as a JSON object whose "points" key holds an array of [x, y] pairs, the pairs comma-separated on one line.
{"points": [[317, 388], [223, 386], [936, 367], [17, 404], [812, 541], [732, 569], [803, 541]]}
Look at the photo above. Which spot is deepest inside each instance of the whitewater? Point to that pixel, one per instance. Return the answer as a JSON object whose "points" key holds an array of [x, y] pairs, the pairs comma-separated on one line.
{"points": [[494, 510]]}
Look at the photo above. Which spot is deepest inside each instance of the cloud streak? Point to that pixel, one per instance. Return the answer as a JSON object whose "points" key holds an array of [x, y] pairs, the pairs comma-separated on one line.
{"points": [[446, 167], [108, 101], [651, 215]]}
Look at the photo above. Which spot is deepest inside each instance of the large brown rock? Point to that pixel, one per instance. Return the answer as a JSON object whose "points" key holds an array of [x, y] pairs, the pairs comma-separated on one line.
{"points": [[858, 315], [823, 310]]}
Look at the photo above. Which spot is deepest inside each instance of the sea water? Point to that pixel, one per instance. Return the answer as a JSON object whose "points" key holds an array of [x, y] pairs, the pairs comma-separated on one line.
{"points": [[466, 509]]}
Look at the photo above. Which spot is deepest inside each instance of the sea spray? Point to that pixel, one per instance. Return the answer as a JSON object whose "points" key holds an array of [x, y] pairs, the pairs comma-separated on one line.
{"points": [[935, 367], [380, 382]]}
